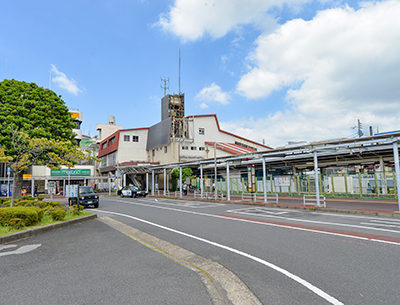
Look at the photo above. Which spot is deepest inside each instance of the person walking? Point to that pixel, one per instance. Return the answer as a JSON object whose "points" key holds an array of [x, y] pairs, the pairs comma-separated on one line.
{"points": [[184, 188]]}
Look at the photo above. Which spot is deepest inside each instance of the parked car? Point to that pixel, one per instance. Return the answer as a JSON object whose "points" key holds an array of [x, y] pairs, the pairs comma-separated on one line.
{"points": [[132, 191], [86, 196]]}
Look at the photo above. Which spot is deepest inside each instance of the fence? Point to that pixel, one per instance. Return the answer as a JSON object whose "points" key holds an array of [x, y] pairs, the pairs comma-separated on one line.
{"points": [[312, 200], [372, 184]]}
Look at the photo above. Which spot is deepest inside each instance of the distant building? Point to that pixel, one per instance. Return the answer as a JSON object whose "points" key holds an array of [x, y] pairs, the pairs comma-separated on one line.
{"points": [[174, 139]]}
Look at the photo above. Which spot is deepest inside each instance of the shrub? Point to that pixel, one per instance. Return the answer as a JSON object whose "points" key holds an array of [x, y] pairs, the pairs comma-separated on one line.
{"points": [[5, 202], [40, 204], [73, 210], [55, 204], [28, 214], [25, 203], [29, 198], [58, 214], [40, 198], [16, 223], [40, 213]]}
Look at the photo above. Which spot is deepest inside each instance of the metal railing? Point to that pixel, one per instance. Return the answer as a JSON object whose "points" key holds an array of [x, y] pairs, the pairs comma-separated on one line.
{"points": [[252, 197], [273, 197], [312, 200]]}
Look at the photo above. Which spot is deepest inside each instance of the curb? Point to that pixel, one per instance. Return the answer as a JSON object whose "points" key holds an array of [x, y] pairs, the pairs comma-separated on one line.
{"points": [[222, 285], [32, 232]]}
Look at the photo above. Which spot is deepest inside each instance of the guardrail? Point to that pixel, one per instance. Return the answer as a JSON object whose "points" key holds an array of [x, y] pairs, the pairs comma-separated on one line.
{"points": [[272, 195], [161, 192], [312, 200], [252, 197]]}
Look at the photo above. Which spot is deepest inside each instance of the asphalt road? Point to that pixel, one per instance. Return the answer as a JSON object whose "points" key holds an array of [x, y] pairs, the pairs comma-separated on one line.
{"points": [[92, 263], [283, 256]]}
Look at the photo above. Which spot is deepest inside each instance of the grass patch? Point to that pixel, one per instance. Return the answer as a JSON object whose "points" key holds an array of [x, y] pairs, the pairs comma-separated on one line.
{"points": [[46, 220]]}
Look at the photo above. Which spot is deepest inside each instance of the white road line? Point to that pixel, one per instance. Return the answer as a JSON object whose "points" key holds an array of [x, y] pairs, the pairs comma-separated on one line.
{"points": [[379, 224], [392, 222], [306, 284], [278, 225], [23, 249], [314, 221]]}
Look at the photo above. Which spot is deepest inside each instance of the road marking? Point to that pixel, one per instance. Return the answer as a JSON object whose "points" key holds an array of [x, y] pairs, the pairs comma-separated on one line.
{"points": [[23, 249], [191, 204], [314, 221], [227, 217], [290, 275], [379, 224]]}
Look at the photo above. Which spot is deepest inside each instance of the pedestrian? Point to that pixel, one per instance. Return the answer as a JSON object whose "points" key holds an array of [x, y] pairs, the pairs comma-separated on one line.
{"points": [[184, 188], [35, 192]]}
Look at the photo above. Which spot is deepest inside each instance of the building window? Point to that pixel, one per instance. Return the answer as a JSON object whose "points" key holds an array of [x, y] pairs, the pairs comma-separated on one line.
{"points": [[104, 161], [193, 148], [202, 148], [135, 138], [201, 131], [112, 141], [104, 145], [127, 138], [154, 153], [185, 148], [165, 149]]}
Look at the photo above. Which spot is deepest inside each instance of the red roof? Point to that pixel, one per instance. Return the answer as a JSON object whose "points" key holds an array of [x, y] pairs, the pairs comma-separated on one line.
{"points": [[231, 148]]}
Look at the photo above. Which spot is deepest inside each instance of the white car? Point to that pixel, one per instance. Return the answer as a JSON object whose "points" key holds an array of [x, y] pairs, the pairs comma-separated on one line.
{"points": [[132, 191]]}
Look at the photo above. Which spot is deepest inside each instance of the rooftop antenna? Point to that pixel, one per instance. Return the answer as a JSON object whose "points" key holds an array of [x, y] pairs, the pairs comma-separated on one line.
{"points": [[165, 85], [179, 71]]}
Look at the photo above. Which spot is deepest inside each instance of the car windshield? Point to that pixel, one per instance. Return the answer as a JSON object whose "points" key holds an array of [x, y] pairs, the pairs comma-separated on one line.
{"points": [[86, 190], [134, 188]]}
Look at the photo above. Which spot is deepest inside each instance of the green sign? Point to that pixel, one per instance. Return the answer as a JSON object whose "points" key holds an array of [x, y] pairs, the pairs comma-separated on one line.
{"points": [[73, 172]]}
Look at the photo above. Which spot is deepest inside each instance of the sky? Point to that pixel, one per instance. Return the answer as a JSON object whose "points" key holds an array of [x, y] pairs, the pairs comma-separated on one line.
{"points": [[273, 71]]}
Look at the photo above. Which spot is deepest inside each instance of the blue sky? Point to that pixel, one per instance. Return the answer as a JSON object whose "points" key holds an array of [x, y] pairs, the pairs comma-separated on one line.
{"points": [[271, 70]]}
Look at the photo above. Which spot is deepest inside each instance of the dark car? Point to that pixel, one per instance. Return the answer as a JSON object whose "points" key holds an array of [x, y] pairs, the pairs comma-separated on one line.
{"points": [[132, 191], [87, 196]]}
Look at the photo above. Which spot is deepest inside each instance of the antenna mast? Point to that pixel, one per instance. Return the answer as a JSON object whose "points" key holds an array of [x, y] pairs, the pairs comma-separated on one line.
{"points": [[165, 84]]}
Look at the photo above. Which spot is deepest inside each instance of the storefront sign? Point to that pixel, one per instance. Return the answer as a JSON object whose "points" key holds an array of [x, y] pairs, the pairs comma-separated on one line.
{"points": [[73, 172]]}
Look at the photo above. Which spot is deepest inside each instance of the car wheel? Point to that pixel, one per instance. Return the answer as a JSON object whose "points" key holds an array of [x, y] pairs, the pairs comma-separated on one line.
{"points": [[96, 205], [144, 196], [122, 195], [133, 195]]}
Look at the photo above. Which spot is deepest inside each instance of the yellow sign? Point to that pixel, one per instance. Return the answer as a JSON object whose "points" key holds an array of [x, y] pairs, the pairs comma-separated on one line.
{"points": [[27, 176]]}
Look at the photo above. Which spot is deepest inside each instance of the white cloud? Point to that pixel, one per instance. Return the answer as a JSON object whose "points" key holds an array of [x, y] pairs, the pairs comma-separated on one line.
{"points": [[192, 19], [63, 82], [203, 106], [341, 66], [212, 94]]}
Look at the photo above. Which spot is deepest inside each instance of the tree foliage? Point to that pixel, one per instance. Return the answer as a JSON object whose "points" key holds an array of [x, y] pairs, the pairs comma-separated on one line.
{"points": [[36, 130], [186, 172]]}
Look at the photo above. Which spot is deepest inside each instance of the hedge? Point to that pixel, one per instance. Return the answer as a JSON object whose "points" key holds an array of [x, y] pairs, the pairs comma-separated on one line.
{"points": [[28, 214]]}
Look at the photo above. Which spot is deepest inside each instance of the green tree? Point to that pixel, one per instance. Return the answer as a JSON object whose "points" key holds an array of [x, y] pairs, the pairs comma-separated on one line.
{"points": [[186, 172], [36, 130]]}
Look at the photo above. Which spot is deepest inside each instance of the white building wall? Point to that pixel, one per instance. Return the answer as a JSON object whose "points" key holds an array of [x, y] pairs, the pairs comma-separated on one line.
{"points": [[132, 151], [106, 130]]}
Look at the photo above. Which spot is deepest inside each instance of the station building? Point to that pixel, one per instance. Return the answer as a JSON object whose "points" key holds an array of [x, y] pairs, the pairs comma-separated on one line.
{"points": [[127, 154]]}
